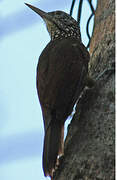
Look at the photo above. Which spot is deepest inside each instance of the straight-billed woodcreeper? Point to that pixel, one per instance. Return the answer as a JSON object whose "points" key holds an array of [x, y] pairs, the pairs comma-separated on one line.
{"points": [[61, 74]]}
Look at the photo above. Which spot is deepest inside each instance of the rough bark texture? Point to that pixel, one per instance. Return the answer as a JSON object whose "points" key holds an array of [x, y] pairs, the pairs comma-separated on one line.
{"points": [[89, 146]]}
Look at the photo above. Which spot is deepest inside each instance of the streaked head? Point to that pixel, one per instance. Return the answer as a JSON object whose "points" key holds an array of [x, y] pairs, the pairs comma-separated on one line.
{"points": [[59, 24]]}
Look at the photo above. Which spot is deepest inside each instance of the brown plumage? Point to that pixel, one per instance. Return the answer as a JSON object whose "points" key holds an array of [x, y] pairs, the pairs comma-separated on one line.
{"points": [[61, 74]]}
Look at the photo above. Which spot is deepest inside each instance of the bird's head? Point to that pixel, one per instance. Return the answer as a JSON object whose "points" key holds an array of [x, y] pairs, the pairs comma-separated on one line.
{"points": [[59, 24]]}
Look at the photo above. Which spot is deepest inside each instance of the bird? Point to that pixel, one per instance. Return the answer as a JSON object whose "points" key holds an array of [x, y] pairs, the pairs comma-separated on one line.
{"points": [[61, 77]]}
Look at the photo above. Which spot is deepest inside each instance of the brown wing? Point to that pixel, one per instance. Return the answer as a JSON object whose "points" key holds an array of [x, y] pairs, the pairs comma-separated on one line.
{"points": [[62, 68], [61, 73]]}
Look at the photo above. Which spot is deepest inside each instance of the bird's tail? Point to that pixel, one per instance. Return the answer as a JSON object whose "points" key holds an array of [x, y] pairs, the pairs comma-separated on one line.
{"points": [[53, 146]]}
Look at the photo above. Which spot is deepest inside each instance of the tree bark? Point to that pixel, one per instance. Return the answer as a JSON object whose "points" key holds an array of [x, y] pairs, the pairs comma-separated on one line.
{"points": [[90, 142]]}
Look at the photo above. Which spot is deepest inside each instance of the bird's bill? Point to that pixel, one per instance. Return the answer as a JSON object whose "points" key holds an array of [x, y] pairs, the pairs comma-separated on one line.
{"points": [[43, 14]]}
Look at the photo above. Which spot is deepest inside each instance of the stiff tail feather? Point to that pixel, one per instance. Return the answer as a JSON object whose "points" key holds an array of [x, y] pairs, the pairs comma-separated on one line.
{"points": [[53, 146]]}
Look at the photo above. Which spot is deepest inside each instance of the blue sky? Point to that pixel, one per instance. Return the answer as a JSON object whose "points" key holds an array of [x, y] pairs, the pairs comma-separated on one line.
{"points": [[23, 36]]}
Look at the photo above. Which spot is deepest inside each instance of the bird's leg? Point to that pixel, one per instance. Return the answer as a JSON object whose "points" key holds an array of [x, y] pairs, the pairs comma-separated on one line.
{"points": [[89, 82]]}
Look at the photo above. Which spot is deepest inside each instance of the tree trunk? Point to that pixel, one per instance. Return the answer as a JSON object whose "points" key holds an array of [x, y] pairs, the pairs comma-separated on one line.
{"points": [[90, 142]]}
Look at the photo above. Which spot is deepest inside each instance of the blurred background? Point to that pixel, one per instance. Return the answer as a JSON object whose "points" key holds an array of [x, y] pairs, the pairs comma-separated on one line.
{"points": [[23, 36]]}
